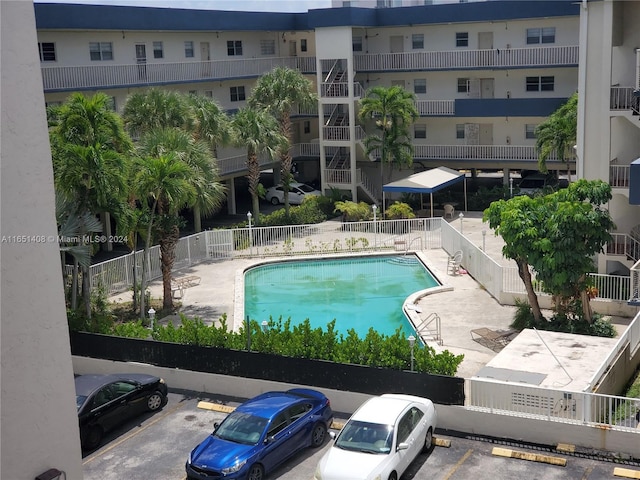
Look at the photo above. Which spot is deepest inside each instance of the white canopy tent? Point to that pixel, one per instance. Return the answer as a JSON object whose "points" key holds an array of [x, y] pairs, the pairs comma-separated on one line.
{"points": [[428, 181]]}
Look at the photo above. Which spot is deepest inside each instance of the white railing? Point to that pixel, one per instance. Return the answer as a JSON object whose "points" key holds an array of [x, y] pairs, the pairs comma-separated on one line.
{"points": [[436, 107], [335, 133], [611, 287], [619, 176], [446, 60], [624, 244], [105, 76], [622, 98], [340, 176], [368, 185], [481, 152], [336, 89], [238, 163], [635, 283]]}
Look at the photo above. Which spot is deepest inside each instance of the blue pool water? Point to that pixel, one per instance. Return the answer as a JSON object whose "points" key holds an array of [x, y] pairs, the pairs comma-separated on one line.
{"points": [[359, 292]]}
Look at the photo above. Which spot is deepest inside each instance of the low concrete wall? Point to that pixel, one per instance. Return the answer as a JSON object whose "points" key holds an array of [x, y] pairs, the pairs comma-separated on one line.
{"points": [[452, 418]]}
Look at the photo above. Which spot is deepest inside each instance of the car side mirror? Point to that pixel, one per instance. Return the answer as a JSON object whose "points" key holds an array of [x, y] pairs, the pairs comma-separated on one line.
{"points": [[403, 446], [269, 439], [333, 435]]}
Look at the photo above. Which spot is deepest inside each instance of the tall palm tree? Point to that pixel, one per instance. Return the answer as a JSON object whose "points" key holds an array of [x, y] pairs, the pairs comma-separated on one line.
{"points": [[90, 151], [164, 185], [393, 110], [210, 124], [278, 92], [258, 131], [558, 133]]}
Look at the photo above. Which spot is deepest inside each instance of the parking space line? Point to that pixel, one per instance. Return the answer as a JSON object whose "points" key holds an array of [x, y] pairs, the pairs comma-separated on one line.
{"points": [[457, 465], [113, 445]]}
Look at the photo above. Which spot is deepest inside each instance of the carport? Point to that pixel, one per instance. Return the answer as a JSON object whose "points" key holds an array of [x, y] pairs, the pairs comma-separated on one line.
{"points": [[429, 181]]}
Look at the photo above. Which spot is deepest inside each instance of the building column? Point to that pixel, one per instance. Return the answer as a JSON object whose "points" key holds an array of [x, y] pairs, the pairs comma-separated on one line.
{"points": [[231, 197]]}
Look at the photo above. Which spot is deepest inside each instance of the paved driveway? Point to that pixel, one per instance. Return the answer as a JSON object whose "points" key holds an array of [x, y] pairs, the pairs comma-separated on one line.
{"points": [[156, 446]]}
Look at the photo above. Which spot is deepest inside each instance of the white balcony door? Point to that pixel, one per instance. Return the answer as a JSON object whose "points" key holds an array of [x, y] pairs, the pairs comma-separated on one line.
{"points": [[486, 134], [205, 52], [487, 88], [293, 48], [485, 40], [396, 43], [141, 60]]}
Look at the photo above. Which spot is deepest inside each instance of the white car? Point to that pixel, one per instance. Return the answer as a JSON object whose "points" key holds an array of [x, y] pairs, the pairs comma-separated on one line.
{"points": [[380, 439], [297, 193]]}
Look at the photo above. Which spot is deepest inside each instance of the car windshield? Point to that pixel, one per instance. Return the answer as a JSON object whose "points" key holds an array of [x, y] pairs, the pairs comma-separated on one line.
{"points": [[366, 437], [80, 399], [305, 188], [242, 428]]}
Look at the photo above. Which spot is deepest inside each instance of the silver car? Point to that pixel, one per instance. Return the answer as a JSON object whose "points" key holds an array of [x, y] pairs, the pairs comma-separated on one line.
{"points": [[297, 193]]}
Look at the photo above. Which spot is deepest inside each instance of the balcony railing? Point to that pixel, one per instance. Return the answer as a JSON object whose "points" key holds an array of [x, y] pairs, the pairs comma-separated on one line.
{"points": [[495, 58], [622, 98], [436, 107], [481, 152], [238, 163], [110, 76], [619, 176]]}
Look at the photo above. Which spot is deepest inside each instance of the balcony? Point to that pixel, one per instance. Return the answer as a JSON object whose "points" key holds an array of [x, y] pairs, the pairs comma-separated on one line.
{"points": [[619, 176], [436, 108], [506, 153], [468, 59], [91, 77]]}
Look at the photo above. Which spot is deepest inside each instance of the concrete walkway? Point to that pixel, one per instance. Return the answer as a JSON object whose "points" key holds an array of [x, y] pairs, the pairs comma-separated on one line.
{"points": [[465, 307]]}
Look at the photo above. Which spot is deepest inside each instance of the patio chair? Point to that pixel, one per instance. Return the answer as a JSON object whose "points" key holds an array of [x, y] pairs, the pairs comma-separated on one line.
{"points": [[496, 340], [449, 210], [453, 264]]}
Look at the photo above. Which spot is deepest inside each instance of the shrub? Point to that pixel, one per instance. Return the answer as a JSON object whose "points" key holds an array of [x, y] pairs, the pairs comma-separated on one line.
{"points": [[399, 210], [354, 212]]}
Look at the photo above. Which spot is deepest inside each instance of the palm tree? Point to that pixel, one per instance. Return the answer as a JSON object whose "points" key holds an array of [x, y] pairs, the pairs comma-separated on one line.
{"points": [[164, 185], [558, 134], [258, 131], [278, 92], [155, 108], [90, 156], [210, 124], [393, 110]]}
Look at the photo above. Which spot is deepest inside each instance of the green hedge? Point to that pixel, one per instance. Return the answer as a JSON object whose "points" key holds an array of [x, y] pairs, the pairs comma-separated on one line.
{"points": [[303, 341]]}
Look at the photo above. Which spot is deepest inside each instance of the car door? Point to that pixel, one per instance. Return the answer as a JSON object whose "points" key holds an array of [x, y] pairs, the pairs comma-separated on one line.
{"points": [[300, 425], [404, 432], [278, 441], [107, 410], [296, 195]]}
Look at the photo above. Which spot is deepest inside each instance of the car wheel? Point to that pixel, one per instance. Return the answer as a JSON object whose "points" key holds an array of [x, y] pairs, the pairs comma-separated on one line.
{"points": [[393, 476], [274, 201], [428, 439], [318, 435], [256, 472], [155, 401], [91, 437]]}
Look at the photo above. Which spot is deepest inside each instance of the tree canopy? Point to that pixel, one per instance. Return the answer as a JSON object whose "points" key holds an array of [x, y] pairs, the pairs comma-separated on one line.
{"points": [[558, 134], [556, 235]]}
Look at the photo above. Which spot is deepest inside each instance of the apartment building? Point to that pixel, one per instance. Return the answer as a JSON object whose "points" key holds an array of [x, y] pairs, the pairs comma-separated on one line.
{"points": [[485, 74], [609, 119]]}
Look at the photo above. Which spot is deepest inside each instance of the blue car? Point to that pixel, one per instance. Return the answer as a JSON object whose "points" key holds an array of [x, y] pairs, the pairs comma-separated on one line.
{"points": [[261, 434]]}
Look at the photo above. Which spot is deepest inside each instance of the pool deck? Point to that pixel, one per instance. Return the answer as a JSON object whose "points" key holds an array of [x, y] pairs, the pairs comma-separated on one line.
{"points": [[464, 307]]}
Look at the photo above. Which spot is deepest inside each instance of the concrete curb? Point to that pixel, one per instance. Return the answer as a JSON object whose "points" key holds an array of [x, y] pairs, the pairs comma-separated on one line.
{"points": [[626, 472], [532, 457]]}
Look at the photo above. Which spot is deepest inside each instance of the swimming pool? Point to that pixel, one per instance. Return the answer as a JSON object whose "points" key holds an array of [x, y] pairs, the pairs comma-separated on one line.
{"points": [[359, 292]]}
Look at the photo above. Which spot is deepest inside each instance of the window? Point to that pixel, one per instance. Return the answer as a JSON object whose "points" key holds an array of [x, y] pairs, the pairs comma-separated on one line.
{"points": [[462, 39], [237, 94], [193, 92], [540, 84], [419, 131], [530, 130], [188, 49], [463, 85], [417, 41], [357, 44], [47, 51], [404, 428], [157, 50], [234, 48], [298, 411], [208, 93], [307, 126], [303, 44], [541, 35], [460, 131], [101, 50], [420, 85], [268, 47], [277, 425]]}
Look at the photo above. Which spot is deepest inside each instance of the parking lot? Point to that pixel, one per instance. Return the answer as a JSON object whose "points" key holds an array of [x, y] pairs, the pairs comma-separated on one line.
{"points": [[157, 445]]}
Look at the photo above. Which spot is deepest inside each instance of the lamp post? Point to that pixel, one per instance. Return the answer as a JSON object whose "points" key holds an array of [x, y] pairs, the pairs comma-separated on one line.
{"points": [[510, 187], [484, 237], [265, 326], [375, 225], [250, 235], [412, 343], [152, 317], [461, 216]]}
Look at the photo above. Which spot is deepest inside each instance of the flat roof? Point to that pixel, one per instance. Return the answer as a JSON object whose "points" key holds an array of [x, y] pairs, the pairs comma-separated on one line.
{"points": [[550, 360]]}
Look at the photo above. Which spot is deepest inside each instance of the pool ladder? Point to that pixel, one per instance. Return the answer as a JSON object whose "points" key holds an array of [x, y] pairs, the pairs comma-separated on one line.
{"points": [[423, 328]]}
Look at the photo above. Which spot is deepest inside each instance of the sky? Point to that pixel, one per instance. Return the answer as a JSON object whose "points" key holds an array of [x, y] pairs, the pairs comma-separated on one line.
{"points": [[245, 5]]}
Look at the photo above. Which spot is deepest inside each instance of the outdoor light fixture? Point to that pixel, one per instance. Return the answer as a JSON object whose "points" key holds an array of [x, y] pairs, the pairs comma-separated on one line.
{"points": [[249, 218], [412, 343], [250, 236], [152, 317], [461, 216], [265, 326], [484, 237], [374, 207]]}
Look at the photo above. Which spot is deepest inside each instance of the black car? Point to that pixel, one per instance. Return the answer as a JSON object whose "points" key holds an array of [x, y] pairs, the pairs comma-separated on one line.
{"points": [[106, 401]]}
